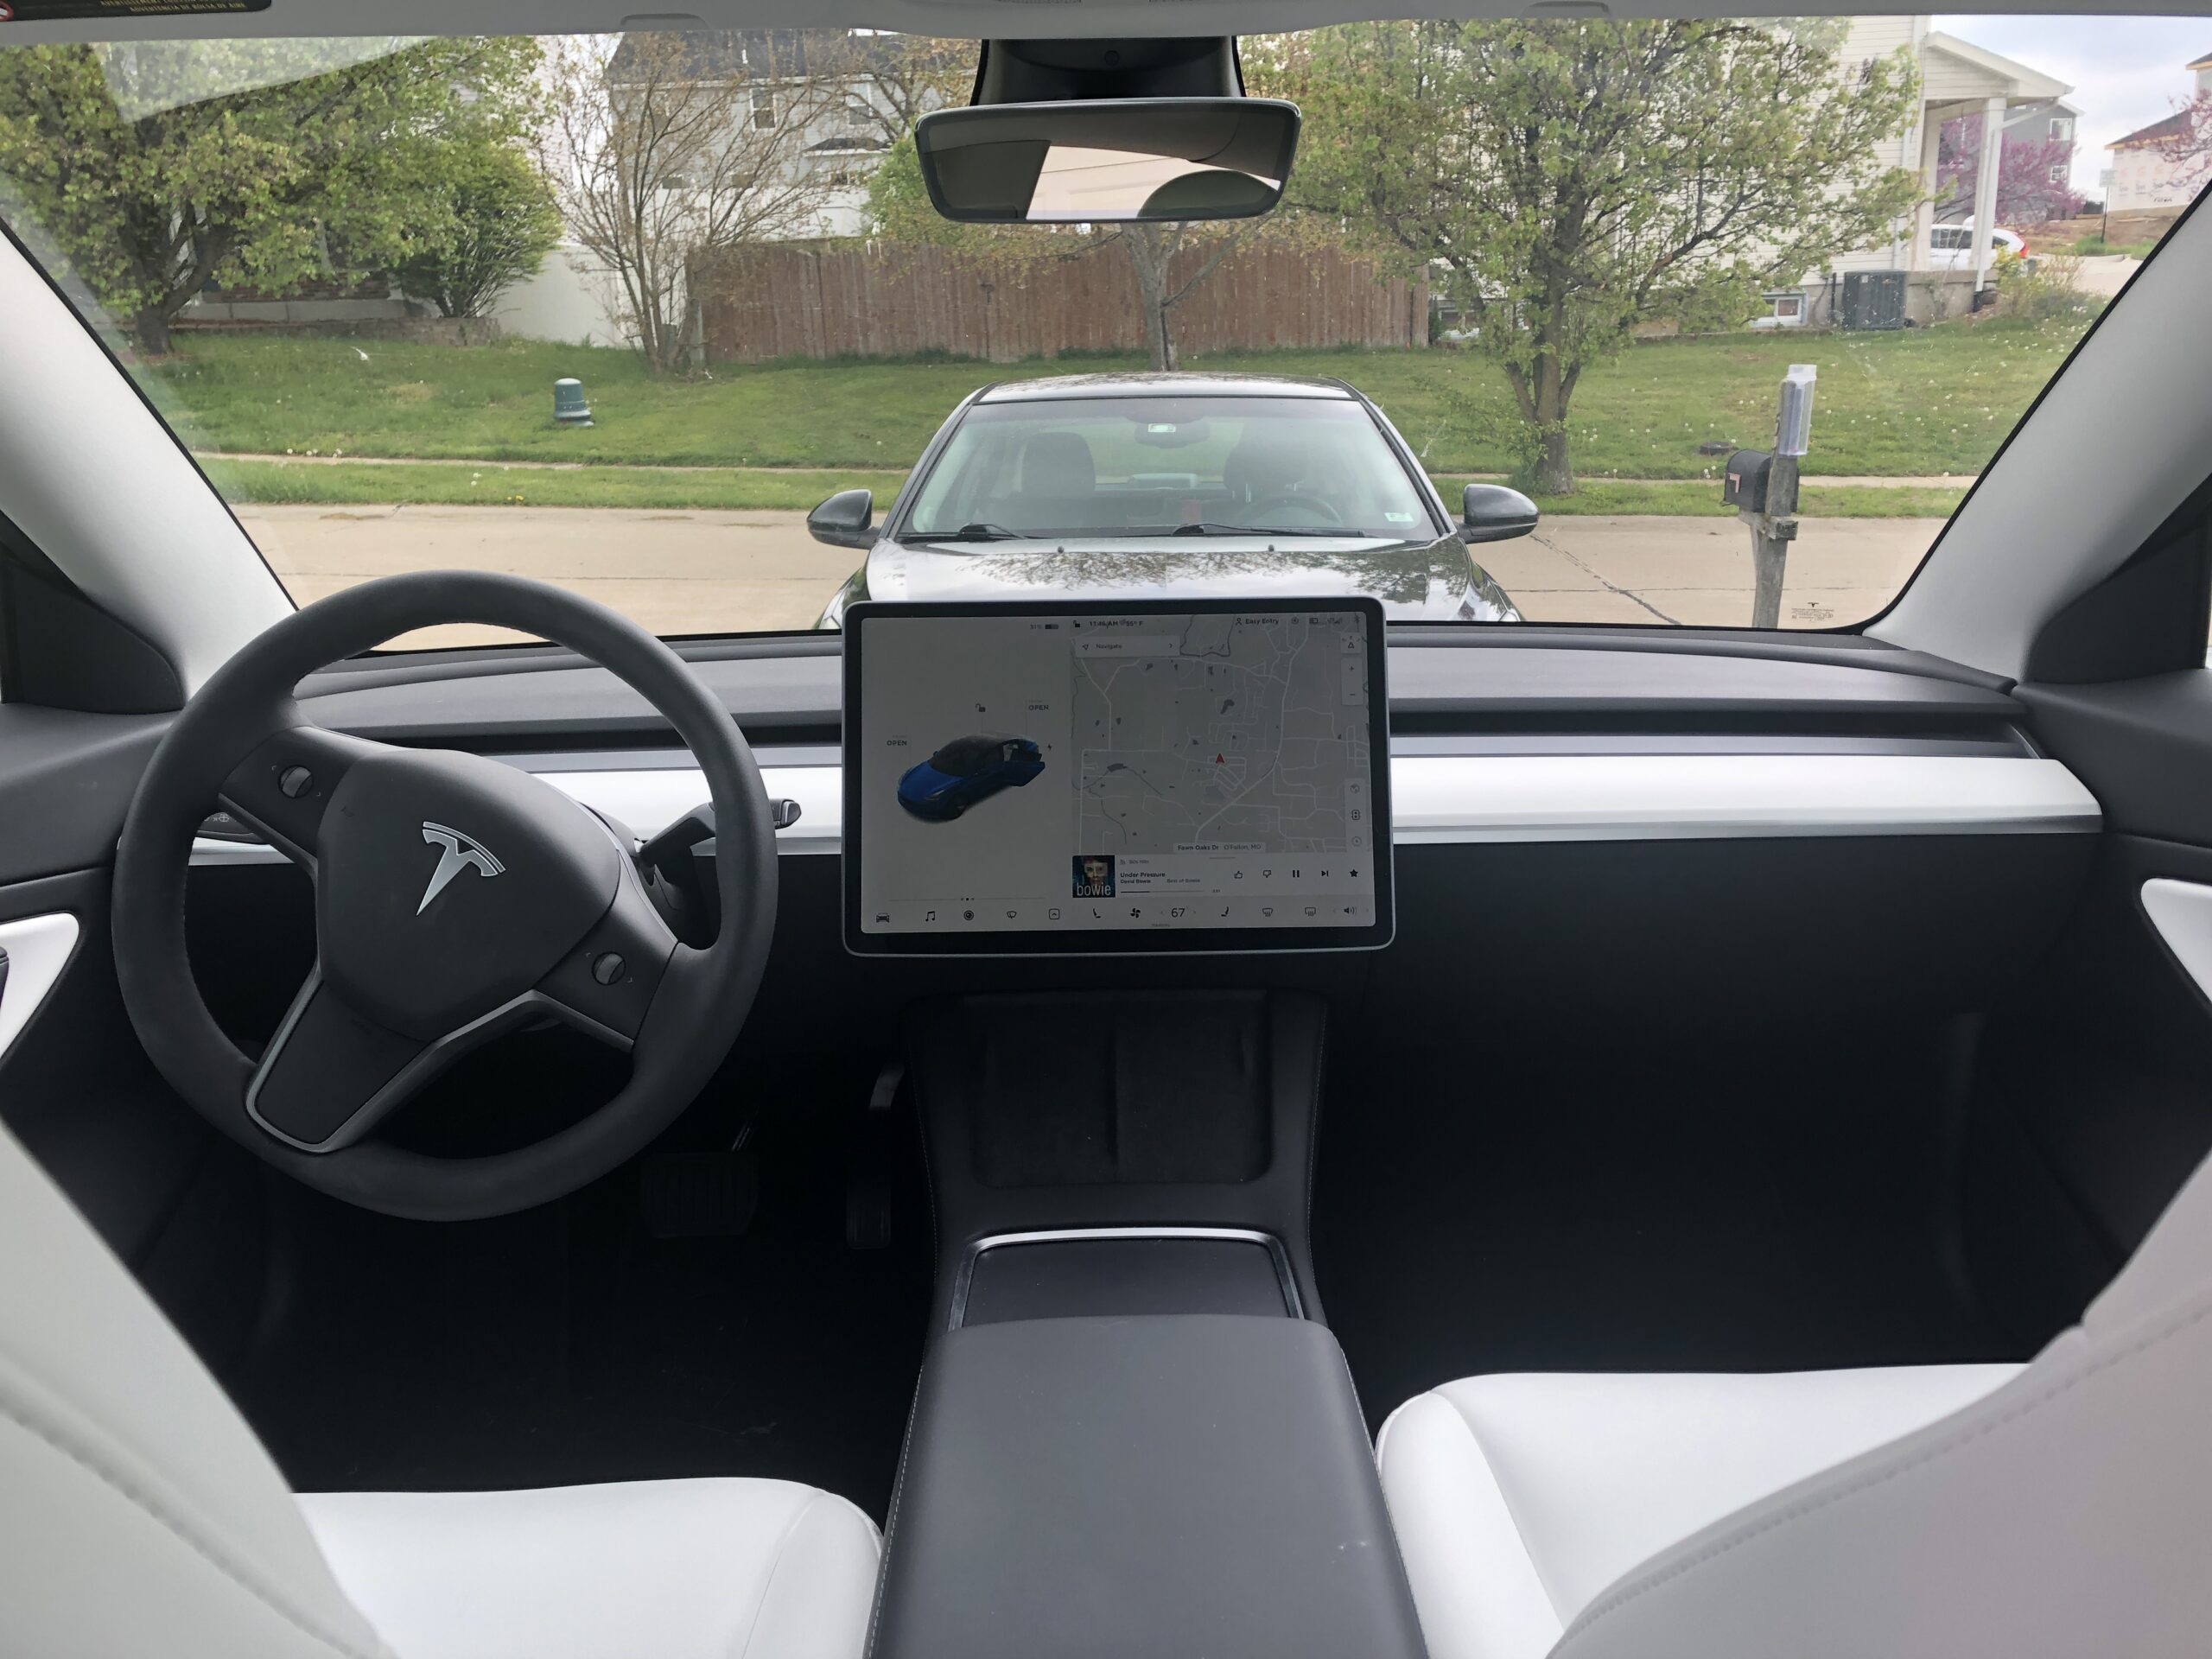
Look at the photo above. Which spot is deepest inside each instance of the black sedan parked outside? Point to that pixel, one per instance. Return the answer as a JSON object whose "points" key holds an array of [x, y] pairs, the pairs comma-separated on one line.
{"points": [[1161, 486]]}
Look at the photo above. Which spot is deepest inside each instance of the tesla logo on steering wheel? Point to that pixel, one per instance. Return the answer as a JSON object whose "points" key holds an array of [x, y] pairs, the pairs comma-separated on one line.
{"points": [[456, 852]]}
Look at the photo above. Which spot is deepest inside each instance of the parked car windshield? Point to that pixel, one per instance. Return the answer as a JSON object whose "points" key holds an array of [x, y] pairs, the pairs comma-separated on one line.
{"points": [[618, 311], [1108, 468]]}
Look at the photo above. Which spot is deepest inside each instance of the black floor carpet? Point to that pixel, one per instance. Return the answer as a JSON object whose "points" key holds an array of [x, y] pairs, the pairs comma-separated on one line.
{"points": [[1643, 1203], [567, 1345], [1640, 1205]]}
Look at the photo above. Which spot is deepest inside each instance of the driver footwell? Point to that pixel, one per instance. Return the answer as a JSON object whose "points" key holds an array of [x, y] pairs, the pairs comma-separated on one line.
{"points": [[569, 1344]]}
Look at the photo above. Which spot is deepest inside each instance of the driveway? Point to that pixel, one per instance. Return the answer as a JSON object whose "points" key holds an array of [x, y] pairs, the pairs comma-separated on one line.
{"points": [[723, 572]]}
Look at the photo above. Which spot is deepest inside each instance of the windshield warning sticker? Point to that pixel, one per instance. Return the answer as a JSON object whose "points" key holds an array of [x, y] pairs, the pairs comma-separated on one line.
{"points": [[52, 11]]}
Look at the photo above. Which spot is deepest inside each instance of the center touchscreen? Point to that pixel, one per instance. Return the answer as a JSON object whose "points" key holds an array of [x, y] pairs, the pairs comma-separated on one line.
{"points": [[1040, 778]]}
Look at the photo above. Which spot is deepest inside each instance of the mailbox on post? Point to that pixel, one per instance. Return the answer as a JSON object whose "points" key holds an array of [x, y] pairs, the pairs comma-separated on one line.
{"points": [[1762, 486], [1744, 486]]}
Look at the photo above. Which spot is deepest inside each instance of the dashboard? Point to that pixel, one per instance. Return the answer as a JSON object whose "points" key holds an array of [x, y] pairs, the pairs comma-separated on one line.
{"points": [[1572, 740], [1636, 827]]}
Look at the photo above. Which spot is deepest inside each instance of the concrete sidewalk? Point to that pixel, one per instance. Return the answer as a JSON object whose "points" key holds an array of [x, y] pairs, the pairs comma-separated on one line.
{"points": [[706, 572]]}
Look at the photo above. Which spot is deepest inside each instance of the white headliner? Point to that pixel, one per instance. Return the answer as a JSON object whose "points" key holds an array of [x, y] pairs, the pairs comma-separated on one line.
{"points": [[1031, 19]]}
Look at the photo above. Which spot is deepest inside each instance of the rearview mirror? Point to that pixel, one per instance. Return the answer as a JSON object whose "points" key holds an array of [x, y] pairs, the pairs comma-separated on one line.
{"points": [[1490, 512], [846, 519], [1108, 162]]}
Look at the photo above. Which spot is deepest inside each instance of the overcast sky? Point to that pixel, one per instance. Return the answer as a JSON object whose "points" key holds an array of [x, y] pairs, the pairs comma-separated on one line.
{"points": [[2125, 72]]}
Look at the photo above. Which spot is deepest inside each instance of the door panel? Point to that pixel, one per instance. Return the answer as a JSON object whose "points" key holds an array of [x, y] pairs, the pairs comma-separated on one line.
{"points": [[2093, 1092]]}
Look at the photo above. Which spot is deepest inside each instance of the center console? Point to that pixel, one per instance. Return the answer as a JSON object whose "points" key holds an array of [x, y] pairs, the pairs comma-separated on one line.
{"points": [[1162, 1142], [1096, 1488], [1133, 1435]]}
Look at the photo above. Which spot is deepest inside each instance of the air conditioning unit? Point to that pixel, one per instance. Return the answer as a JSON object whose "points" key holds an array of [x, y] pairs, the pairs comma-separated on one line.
{"points": [[1873, 299]]}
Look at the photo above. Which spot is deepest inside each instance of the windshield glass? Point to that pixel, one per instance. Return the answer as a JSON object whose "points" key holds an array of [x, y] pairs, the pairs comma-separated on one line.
{"points": [[1102, 468], [1743, 307]]}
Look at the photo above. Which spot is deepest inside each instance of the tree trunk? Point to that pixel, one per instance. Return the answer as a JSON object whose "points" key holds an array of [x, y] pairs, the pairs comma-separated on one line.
{"points": [[152, 328], [1151, 247], [1554, 473]]}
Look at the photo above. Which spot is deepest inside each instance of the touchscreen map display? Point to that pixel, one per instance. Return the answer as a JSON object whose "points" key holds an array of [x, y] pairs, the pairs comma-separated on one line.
{"points": [[1030, 778]]}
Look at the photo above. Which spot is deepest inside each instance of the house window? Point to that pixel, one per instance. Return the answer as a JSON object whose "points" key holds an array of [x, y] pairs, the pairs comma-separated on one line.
{"points": [[1789, 307], [2057, 174], [764, 108], [2062, 126], [1950, 238]]}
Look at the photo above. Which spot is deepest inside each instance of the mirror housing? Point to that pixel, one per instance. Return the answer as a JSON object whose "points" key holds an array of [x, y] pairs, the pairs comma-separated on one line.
{"points": [[1490, 512], [846, 519], [1126, 160]]}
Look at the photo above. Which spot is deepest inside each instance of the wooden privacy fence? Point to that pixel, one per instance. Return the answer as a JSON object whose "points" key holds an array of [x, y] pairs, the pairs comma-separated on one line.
{"points": [[889, 300]]}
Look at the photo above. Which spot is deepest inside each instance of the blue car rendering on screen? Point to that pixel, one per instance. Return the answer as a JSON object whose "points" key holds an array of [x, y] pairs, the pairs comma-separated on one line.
{"points": [[966, 770]]}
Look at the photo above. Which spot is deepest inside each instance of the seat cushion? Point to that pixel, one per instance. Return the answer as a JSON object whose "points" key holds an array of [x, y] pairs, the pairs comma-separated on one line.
{"points": [[680, 1569], [1518, 1499]]}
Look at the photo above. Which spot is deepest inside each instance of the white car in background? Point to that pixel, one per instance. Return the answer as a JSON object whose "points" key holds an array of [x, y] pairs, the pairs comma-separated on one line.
{"points": [[1951, 247]]}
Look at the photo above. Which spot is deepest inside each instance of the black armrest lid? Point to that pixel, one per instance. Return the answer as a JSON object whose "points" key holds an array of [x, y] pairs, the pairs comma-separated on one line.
{"points": [[1182, 1485]]}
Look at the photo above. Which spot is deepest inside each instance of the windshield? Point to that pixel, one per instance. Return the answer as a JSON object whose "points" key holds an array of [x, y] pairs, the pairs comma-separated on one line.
{"points": [[1104, 468], [1742, 306]]}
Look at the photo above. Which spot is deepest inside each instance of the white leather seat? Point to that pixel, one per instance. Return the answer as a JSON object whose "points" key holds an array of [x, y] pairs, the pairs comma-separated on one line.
{"points": [[139, 1516], [2061, 1508], [689, 1569]]}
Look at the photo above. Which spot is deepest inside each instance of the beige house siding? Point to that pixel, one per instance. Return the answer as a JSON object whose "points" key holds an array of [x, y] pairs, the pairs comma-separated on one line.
{"points": [[2141, 178], [1880, 37]]}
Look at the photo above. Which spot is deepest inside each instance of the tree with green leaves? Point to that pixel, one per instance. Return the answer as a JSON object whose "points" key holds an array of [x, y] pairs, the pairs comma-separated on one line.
{"points": [[500, 221], [152, 167], [1566, 182]]}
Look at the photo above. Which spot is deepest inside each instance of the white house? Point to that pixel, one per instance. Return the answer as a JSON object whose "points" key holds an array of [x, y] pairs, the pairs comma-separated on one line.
{"points": [[1957, 78], [821, 78], [2144, 179]]}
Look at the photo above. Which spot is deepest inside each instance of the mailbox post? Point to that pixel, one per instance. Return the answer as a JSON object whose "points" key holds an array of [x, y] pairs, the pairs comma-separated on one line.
{"points": [[1763, 488]]}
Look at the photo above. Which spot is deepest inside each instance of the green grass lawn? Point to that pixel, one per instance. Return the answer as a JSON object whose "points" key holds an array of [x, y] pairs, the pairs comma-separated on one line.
{"points": [[281, 483], [1928, 401], [433, 484]]}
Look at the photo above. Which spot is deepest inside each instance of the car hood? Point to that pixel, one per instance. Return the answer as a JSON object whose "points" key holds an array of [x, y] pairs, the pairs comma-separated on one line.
{"points": [[1438, 582]]}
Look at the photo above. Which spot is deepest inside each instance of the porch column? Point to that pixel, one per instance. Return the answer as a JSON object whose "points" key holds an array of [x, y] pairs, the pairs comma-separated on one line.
{"points": [[1924, 216], [1985, 186]]}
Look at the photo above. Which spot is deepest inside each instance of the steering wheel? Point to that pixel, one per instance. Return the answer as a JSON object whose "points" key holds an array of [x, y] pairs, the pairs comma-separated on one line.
{"points": [[455, 898], [1317, 505]]}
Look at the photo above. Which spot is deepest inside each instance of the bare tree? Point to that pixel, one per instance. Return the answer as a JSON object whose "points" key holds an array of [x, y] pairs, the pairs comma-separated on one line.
{"points": [[673, 149], [1152, 250], [900, 78]]}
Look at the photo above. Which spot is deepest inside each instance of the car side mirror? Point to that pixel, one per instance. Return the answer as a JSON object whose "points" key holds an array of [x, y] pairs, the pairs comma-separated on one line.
{"points": [[846, 519], [1490, 512]]}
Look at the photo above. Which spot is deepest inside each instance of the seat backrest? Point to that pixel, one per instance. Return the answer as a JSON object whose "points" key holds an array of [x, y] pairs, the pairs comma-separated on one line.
{"points": [[138, 1514], [2068, 1513], [1057, 466]]}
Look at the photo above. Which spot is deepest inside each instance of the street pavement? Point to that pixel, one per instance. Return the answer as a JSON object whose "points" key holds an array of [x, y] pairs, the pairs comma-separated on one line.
{"points": [[708, 572]]}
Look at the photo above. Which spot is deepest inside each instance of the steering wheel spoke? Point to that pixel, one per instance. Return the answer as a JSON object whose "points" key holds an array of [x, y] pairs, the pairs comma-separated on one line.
{"points": [[331, 1074], [281, 787]]}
